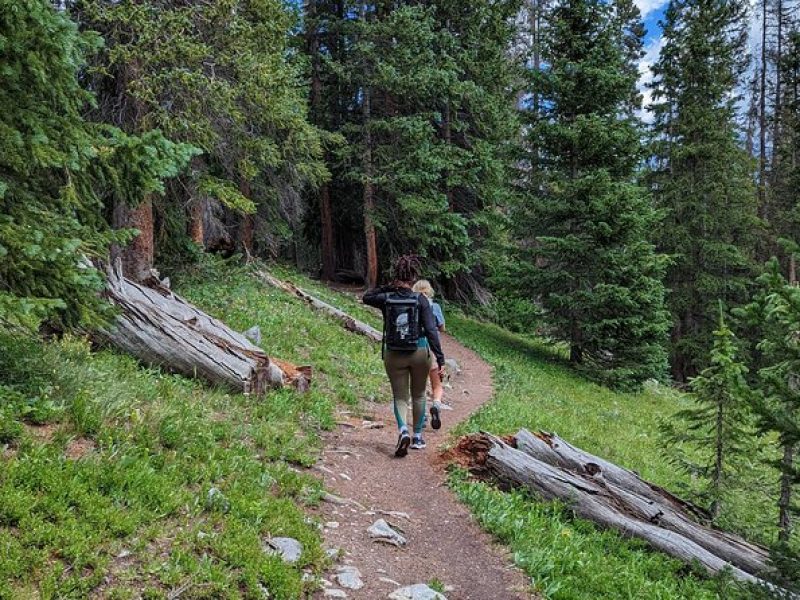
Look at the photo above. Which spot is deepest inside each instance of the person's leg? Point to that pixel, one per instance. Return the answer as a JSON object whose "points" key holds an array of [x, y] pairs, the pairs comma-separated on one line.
{"points": [[437, 389], [397, 368], [420, 365], [437, 392]]}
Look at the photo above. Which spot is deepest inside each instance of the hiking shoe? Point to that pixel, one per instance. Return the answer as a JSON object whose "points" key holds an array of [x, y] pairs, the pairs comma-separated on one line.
{"points": [[402, 444], [436, 422], [418, 443]]}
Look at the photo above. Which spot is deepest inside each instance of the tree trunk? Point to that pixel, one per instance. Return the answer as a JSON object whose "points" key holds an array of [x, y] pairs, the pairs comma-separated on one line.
{"points": [[448, 139], [327, 250], [248, 225], [607, 495], [162, 329], [675, 514], [197, 209], [350, 323], [137, 256], [763, 210], [785, 500], [776, 119], [369, 199], [716, 478], [575, 345], [328, 242]]}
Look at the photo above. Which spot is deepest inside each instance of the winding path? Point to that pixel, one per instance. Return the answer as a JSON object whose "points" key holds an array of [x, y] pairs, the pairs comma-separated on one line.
{"points": [[444, 543]]}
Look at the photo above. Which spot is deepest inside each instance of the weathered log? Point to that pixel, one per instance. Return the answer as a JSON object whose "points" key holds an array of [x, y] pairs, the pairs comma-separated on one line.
{"points": [[160, 328], [350, 323], [593, 498], [669, 511]]}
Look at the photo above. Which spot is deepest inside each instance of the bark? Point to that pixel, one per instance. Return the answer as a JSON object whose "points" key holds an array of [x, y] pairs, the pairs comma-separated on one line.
{"points": [[327, 250], [716, 478], [248, 225], [762, 120], [575, 346], [197, 209], [785, 499], [369, 199], [350, 323], [776, 119], [137, 257], [161, 329], [328, 242], [675, 514], [448, 138], [609, 496]]}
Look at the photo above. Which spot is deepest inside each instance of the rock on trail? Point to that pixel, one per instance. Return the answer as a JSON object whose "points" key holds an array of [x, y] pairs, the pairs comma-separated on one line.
{"points": [[419, 591], [442, 542]]}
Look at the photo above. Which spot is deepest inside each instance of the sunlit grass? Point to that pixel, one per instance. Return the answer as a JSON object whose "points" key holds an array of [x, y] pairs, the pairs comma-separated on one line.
{"points": [[536, 389], [107, 467]]}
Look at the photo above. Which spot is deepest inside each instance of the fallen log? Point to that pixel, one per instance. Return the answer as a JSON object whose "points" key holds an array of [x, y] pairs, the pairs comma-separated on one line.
{"points": [[610, 505], [162, 329], [350, 323], [669, 511]]}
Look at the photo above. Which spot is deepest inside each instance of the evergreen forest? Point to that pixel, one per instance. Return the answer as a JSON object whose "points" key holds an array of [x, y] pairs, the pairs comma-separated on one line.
{"points": [[629, 210]]}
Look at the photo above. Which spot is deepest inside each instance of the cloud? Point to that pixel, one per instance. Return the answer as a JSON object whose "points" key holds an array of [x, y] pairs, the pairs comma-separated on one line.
{"points": [[651, 52], [649, 6]]}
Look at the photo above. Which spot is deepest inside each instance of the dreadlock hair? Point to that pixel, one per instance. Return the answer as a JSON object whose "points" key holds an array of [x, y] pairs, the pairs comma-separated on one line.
{"points": [[406, 269]]}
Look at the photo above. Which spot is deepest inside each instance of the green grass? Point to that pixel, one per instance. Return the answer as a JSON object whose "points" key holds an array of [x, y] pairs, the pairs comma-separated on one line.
{"points": [[344, 300], [568, 558], [107, 467]]}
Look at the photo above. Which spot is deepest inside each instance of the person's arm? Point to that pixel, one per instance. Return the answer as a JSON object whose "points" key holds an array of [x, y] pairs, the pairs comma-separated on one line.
{"points": [[439, 315], [431, 332], [375, 297]]}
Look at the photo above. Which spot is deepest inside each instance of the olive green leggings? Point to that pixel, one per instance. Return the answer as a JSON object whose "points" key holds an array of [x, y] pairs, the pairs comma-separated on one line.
{"points": [[408, 374]]}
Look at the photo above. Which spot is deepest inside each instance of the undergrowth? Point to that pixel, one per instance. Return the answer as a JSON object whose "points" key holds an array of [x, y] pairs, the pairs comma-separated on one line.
{"points": [[567, 558], [121, 481]]}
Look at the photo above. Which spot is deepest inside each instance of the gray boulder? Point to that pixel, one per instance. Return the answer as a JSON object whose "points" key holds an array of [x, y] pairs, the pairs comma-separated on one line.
{"points": [[418, 591], [349, 577], [253, 334], [289, 549]]}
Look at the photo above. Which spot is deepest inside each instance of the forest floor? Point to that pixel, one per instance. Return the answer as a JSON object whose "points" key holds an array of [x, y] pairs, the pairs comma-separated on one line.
{"points": [[445, 548]]}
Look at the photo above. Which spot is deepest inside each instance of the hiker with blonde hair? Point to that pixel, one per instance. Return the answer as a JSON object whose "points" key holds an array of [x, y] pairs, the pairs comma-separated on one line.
{"points": [[424, 287]]}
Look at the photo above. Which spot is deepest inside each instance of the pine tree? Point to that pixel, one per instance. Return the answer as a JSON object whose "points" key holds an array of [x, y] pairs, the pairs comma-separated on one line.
{"points": [[785, 221], [56, 169], [775, 313], [221, 76], [421, 94], [583, 225], [718, 428], [701, 177]]}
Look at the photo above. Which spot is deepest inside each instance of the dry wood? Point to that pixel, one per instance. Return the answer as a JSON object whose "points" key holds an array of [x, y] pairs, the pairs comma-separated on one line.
{"points": [[603, 493], [349, 322], [160, 328], [671, 513]]}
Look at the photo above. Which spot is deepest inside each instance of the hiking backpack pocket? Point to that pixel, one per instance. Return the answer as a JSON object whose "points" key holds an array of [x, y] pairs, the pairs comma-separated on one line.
{"points": [[401, 322]]}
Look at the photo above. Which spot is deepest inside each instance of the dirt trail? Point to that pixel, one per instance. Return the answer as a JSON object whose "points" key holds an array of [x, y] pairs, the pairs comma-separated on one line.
{"points": [[444, 543]]}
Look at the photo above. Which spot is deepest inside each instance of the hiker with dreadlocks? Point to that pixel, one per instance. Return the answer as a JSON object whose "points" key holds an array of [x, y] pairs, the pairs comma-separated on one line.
{"points": [[409, 336]]}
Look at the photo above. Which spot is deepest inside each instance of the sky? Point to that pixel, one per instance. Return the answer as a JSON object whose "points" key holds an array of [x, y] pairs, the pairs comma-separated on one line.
{"points": [[652, 11]]}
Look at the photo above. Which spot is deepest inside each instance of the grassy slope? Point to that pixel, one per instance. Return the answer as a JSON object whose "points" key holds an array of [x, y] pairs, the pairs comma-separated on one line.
{"points": [[112, 496], [566, 558], [106, 488]]}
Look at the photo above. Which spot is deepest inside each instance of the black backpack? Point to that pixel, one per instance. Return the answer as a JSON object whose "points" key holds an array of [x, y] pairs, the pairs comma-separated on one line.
{"points": [[401, 329]]}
